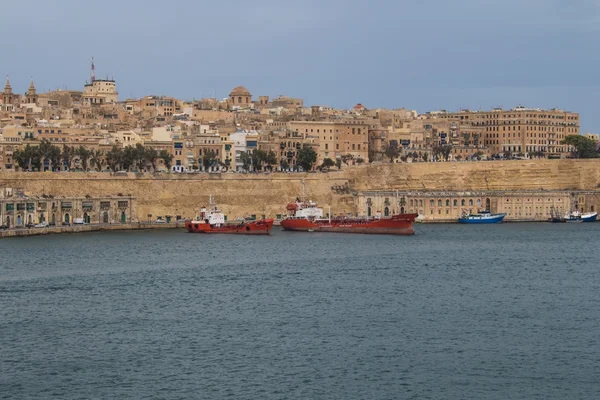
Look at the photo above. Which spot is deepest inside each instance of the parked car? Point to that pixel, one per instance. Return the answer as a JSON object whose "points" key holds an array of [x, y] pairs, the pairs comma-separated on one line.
{"points": [[4, 227], [160, 221], [78, 221], [41, 225]]}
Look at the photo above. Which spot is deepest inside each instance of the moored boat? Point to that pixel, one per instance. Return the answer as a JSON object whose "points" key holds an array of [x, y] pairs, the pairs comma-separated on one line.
{"points": [[589, 217], [212, 220], [482, 217], [573, 216], [308, 217]]}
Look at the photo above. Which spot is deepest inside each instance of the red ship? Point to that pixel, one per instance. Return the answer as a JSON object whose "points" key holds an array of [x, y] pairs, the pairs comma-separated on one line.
{"points": [[213, 221], [307, 217]]}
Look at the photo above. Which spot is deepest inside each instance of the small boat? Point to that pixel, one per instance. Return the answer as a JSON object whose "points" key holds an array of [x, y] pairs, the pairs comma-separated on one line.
{"points": [[482, 217], [574, 216], [589, 217]]}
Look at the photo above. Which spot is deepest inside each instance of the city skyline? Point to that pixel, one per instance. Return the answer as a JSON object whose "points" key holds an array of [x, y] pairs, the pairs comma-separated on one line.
{"points": [[425, 56]]}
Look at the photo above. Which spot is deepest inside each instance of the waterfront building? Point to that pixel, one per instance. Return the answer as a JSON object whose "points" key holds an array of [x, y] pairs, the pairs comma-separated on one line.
{"points": [[17, 209], [446, 206]]}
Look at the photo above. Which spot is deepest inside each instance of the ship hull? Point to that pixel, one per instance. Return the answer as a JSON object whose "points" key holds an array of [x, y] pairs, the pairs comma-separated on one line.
{"points": [[396, 225], [260, 227], [494, 219], [589, 217]]}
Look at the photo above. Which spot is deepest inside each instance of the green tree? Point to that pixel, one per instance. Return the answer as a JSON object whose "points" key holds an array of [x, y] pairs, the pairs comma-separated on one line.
{"points": [[130, 157], [151, 156], [96, 160], [360, 160], [55, 154], [270, 160], [392, 151], [338, 163], [67, 156], [327, 163], [284, 165], [167, 158], [442, 151], [582, 146], [307, 156], [114, 158], [246, 161], [208, 159], [458, 157], [346, 158], [425, 157], [84, 156], [258, 157]]}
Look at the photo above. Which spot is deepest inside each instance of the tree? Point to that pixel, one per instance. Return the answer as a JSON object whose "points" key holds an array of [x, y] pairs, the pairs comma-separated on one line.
{"points": [[151, 156], [307, 156], [582, 146], [458, 157], [442, 151], [507, 154], [97, 160], [392, 151], [129, 158], [114, 158], [257, 157], [246, 160], [270, 159], [23, 157], [346, 158], [84, 155], [167, 158], [208, 159], [327, 163], [425, 157], [55, 154], [338, 163], [67, 156], [284, 165], [479, 155], [360, 160]]}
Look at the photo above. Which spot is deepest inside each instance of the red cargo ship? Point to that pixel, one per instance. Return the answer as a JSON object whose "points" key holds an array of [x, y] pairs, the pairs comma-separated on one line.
{"points": [[307, 217], [213, 221]]}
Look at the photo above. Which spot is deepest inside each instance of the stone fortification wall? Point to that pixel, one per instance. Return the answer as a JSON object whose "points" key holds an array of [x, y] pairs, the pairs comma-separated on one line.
{"points": [[244, 194]]}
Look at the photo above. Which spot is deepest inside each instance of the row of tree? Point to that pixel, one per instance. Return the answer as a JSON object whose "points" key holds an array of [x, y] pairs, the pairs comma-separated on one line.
{"points": [[36, 158]]}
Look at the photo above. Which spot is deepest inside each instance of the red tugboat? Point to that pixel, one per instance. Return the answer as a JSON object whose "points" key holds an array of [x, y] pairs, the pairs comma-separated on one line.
{"points": [[308, 217], [212, 220]]}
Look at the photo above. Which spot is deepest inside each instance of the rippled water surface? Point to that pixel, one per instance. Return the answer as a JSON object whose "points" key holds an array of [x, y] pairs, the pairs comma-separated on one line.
{"points": [[501, 312]]}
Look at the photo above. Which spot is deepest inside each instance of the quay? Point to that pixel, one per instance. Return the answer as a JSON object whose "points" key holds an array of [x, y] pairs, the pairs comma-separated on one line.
{"points": [[20, 232]]}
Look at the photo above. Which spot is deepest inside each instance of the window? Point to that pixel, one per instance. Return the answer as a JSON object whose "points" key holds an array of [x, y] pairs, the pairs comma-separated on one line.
{"points": [[430, 203], [455, 203], [439, 203], [447, 203]]}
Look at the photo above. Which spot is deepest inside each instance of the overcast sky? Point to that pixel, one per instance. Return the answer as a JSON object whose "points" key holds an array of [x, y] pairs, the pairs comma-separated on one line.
{"points": [[418, 54]]}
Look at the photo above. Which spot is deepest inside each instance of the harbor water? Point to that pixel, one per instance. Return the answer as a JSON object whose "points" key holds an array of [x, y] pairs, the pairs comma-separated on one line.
{"points": [[505, 311]]}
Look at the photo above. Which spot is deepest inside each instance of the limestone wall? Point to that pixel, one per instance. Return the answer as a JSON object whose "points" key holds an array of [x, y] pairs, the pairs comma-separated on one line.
{"points": [[244, 194]]}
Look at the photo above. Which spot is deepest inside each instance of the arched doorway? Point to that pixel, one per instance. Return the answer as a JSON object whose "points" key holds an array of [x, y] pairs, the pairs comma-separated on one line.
{"points": [[30, 219], [123, 217], [53, 219], [8, 221], [18, 220], [67, 218], [487, 204], [368, 211], [105, 217], [401, 210], [86, 218], [386, 212]]}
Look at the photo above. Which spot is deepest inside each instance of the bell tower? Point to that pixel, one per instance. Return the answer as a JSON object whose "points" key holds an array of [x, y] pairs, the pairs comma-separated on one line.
{"points": [[8, 97], [31, 95]]}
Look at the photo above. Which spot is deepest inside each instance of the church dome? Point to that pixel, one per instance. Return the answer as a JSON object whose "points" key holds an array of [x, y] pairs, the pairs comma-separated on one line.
{"points": [[240, 91]]}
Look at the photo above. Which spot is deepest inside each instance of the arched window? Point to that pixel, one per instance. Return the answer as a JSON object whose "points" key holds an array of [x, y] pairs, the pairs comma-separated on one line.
{"points": [[478, 202], [462, 202], [430, 203], [439, 203], [239, 100], [455, 202], [470, 202], [447, 203], [386, 212], [369, 211]]}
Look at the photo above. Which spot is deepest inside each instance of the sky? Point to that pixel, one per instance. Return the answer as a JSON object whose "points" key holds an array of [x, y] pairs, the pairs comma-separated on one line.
{"points": [[418, 54]]}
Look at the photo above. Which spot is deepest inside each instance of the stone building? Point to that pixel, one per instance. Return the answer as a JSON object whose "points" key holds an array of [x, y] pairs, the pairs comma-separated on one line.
{"points": [[335, 139], [240, 97], [445, 206], [19, 209], [522, 130]]}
